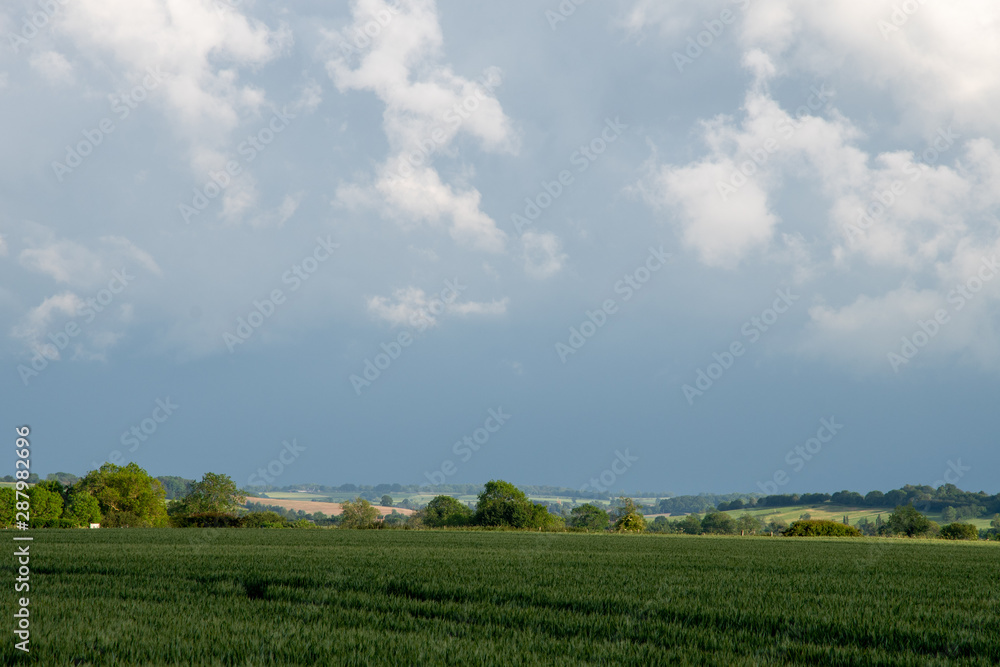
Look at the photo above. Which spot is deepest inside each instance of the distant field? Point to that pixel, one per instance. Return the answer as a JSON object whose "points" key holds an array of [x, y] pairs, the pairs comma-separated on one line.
{"points": [[311, 506], [342, 597], [837, 512]]}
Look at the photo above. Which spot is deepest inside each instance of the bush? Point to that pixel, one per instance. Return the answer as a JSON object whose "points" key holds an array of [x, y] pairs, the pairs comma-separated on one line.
{"points": [[821, 528], [207, 520], [959, 531], [263, 520]]}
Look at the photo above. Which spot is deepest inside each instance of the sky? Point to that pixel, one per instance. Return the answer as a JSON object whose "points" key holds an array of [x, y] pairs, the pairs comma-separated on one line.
{"points": [[697, 246]]}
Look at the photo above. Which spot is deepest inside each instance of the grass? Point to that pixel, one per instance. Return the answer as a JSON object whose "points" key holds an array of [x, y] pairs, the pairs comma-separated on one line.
{"points": [[340, 597]]}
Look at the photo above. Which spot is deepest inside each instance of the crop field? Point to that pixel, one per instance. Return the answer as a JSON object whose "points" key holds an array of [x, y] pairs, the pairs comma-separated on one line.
{"points": [[344, 597]]}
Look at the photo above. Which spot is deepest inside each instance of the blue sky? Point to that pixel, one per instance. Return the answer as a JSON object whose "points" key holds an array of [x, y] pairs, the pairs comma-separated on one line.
{"points": [[691, 246]]}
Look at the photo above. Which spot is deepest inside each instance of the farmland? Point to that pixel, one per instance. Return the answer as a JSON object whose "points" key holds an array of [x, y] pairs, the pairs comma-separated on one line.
{"points": [[290, 597]]}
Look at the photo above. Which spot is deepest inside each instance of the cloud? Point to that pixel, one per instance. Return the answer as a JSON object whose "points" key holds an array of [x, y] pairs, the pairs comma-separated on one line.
{"points": [[894, 216], [77, 265], [53, 66], [543, 256], [427, 106], [198, 48], [411, 306], [33, 327]]}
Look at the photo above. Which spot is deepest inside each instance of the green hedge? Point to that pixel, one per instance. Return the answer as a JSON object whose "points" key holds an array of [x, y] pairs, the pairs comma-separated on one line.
{"points": [[820, 528]]}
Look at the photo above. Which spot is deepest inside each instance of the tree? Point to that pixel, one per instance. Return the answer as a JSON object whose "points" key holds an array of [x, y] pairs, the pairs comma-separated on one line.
{"points": [[445, 511], [7, 500], [358, 514], [906, 520], [127, 495], [874, 499], [691, 524], [64, 478], [747, 524], [589, 517], [959, 531], [503, 504], [386, 501], [718, 523], [46, 505], [627, 518], [214, 494], [949, 514], [82, 508]]}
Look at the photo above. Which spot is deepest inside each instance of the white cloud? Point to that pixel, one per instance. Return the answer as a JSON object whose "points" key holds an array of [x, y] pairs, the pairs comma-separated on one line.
{"points": [[35, 325], [412, 307], [543, 256], [199, 49], [52, 65], [426, 106]]}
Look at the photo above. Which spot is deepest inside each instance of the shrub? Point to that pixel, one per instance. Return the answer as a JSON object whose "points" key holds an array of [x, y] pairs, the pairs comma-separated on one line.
{"points": [[263, 520], [207, 520], [959, 531], [821, 528]]}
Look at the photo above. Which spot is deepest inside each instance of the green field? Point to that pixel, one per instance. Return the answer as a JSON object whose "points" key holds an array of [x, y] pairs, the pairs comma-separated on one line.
{"points": [[837, 512], [325, 597]]}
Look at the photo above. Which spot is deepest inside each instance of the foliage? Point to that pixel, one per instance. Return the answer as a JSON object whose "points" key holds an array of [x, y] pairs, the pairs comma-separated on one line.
{"points": [[263, 520], [588, 517], [821, 528], [386, 501], [690, 525], [748, 524], [445, 511], [46, 504], [214, 494], [358, 514], [628, 518], [906, 520], [128, 491], [7, 499], [501, 504], [959, 531], [718, 523], [82, 507]]}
